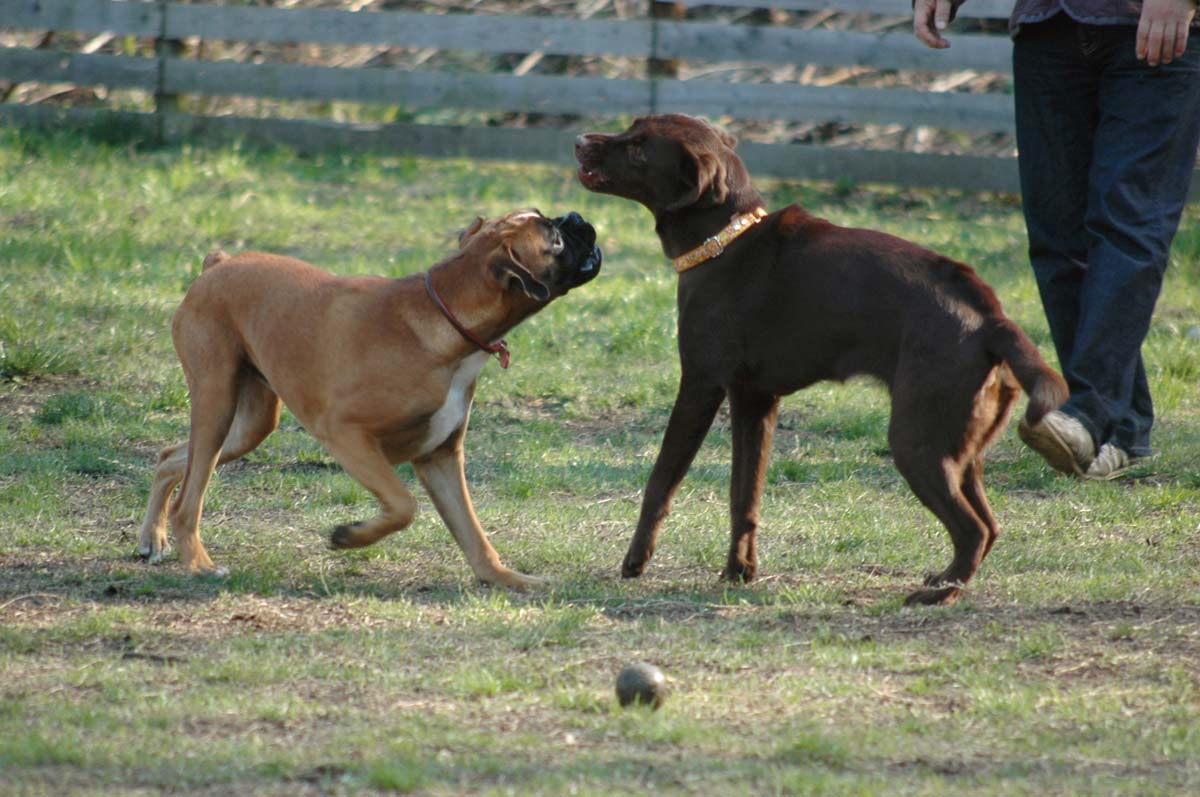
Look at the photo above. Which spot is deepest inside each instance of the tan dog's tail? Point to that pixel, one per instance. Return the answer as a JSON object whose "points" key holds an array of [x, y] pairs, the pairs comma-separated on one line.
{"points": [[213, 258], [1047, 390]]}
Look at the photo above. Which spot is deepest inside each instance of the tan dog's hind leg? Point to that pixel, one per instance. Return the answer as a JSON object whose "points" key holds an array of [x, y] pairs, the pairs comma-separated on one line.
{"points": [[230, 417], [172, 462], [362, 457], [257, 416], [214, 405], [442, 475]]}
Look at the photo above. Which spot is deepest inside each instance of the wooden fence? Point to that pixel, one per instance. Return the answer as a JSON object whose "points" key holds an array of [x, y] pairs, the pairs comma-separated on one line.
{"points": [[167, 75]]}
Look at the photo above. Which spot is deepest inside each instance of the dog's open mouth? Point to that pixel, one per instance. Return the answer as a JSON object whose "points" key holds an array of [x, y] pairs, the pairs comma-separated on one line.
{"points": [[592, 178]]}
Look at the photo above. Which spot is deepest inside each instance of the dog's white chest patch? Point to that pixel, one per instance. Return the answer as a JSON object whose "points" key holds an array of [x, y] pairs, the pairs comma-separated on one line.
{"points": [[454, 408]]}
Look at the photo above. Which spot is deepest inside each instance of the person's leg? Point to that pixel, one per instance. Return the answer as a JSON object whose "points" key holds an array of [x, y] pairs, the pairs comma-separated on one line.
{"points": [[1144, 152], [1056, 89]]}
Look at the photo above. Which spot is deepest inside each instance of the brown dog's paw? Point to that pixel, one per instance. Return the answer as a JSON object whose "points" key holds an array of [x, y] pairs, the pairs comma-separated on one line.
{"points": [[632, 567], [342, 537], [936, 579], [740, 573], [943, 595]]}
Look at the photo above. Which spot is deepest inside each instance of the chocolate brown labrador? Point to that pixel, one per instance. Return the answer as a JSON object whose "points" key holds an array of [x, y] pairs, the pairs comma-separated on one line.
{"points": [[771, 303]]}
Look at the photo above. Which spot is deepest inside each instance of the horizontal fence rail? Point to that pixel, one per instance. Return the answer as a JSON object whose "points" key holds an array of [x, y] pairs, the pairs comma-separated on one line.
{"points": [[167, 75]]}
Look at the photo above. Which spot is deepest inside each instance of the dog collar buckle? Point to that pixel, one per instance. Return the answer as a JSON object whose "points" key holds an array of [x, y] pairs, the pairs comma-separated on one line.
{"points": [[712, 247]]}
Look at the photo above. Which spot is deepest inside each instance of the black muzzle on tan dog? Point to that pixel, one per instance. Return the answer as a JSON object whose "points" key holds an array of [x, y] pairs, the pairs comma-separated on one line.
{"points": [[580, 251]]}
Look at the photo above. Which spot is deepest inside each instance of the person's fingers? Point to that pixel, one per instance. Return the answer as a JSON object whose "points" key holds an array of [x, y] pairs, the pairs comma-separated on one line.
{"points": [[1163, 29], [941, 14], [925, 22], [1167, 53], [1181, 39], [1154, 43]]}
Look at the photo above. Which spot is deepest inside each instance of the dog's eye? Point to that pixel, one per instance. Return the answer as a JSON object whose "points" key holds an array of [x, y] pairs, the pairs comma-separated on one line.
{"points": [[636, 153]]}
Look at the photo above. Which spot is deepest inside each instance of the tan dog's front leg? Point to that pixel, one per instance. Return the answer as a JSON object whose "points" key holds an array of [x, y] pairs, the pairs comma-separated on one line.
{"points": [[363, 459], [442, 475]]}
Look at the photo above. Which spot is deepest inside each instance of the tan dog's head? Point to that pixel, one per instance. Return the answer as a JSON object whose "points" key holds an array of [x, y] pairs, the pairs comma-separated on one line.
{"points": [[667, 162], [527, 253]]}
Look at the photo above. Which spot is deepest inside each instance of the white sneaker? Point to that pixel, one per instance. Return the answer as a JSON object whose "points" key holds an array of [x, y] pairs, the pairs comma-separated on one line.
{"points": [[1110, 462], [1062, 441]]}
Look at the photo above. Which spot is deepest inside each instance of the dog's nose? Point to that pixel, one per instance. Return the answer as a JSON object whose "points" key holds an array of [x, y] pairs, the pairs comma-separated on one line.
{"points": [[582, 142]]}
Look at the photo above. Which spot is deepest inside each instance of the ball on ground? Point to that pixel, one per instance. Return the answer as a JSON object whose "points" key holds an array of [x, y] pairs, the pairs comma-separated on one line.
{"points": [[641, 684]]}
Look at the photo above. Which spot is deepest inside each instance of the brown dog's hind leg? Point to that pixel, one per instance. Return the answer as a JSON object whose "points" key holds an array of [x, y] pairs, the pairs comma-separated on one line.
{"points": [[992, 410], [989, 416], [442, 475], [363, 459], [972, 489], [753, 416], [695, 407], [933, 463], [937, 486]]}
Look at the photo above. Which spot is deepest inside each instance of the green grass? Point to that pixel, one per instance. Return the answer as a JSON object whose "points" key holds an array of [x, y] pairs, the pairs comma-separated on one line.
{"points": [[1069, 668]]}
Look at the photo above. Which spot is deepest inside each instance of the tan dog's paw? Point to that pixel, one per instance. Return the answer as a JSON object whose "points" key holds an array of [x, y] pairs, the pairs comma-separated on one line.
{"points": [[154, 550], [518, 581], [210, 570], [197, 562]]}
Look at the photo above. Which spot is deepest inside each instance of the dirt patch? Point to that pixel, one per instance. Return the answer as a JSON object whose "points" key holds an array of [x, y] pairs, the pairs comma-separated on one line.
{"points": [[22, 399]]}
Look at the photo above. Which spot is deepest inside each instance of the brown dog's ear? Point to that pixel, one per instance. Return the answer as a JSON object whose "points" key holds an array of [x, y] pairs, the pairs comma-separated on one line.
{"points": [[709, 178], [508, 270], [466, 234]]}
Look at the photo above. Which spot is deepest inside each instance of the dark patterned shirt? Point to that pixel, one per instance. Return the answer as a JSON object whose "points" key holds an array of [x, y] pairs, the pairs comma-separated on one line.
{"points": [[1092, 12]]}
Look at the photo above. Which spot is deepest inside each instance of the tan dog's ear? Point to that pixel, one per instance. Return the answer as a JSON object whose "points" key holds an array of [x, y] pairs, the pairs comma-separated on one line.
{"points": [[508, 270], [709, 178], [466, 234]]}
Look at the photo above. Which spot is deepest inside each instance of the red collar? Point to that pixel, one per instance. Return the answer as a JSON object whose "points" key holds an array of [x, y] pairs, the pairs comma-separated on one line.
{"points": [[499, 349]]}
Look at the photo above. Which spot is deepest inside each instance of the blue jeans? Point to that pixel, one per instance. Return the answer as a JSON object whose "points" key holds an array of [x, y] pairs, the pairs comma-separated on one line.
{"points": [[1107, 146]]}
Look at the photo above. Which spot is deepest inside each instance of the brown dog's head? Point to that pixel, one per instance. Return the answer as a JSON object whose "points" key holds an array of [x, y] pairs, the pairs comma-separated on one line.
{"points": [[528, 253], [667, 162]]}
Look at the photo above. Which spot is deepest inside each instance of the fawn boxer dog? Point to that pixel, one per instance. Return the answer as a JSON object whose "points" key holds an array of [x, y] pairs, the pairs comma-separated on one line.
{"points": [[770, 303], [381, 371]]}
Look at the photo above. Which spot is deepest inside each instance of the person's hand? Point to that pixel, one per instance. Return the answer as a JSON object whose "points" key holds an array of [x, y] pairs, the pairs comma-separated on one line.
{"points": [[1162, 32], [930, 18]]}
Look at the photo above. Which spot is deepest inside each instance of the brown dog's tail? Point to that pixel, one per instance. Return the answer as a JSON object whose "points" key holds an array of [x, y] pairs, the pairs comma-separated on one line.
{"points": [[1047, 390], [213, 258]]}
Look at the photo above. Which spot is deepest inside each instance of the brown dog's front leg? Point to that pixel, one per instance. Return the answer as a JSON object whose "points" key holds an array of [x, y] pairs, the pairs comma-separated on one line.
{"points": [[695, 407], [753, 414]]}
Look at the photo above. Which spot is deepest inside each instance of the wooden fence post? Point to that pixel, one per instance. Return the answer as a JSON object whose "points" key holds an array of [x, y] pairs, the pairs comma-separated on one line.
{"points": [[664, 68], [164, 102]]}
